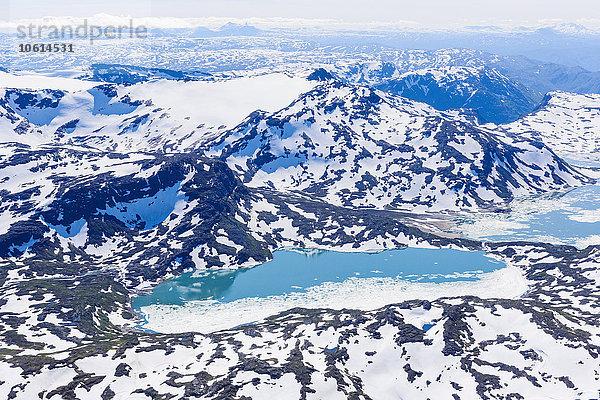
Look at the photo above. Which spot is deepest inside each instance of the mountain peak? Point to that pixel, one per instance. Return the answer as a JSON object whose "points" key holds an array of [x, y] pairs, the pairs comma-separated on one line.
{"points": [[320, 74], [355, 146]]}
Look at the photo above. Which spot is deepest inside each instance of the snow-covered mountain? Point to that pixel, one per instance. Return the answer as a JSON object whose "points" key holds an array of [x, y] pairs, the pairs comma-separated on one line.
{"points": [[144, 217], [117, 211], [536, 76], [495, 97], [350, 144], [359, 147], [14, 127], [130, 74], [158, 115], [566, 122]]}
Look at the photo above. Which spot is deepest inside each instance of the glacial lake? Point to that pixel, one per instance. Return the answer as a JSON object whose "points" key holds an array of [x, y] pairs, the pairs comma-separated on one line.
{"points": [[571, 218], [296, 271], [210, 300]]}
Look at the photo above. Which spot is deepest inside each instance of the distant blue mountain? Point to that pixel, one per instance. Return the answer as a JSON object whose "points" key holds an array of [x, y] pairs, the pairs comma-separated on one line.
{"points": [[231, 29], [570, 45], [129, 74], [499, 89], [495, 97], [548, 77]]}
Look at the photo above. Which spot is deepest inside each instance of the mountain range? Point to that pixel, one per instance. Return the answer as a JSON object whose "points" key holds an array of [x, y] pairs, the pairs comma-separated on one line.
{"points": [[119, 177], [359, 147]]}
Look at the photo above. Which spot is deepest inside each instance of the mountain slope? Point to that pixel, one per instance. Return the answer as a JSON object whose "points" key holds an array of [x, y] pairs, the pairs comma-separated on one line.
{"points": [[160, 115], [78, 210], [566, 122], [129, 74], [358, 147], [495, 97], [145, 217], [536, 75]]}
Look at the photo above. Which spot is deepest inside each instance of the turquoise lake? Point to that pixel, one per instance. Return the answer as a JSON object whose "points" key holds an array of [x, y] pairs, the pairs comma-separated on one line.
{"points": [[571, 218], [295, 271]]}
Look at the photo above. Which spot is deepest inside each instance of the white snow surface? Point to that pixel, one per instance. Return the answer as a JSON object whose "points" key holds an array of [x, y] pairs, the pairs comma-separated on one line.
{"points": [[568, 123]]}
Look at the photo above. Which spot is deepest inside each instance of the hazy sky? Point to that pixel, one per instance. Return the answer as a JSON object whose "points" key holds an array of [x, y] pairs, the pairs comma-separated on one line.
{"points": [[421, 12]]}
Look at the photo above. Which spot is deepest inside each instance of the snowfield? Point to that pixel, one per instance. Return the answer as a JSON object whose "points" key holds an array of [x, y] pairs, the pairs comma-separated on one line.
{"points": [[163, 115], [568, 123], [357, 147]]}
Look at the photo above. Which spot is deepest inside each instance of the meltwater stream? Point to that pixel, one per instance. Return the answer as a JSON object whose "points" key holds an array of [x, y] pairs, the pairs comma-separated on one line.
{"points": [[216, 299]]}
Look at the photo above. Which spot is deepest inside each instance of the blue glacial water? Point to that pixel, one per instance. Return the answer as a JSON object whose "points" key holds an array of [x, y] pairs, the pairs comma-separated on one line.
{"points": [[571, 218], [294, 271]]}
